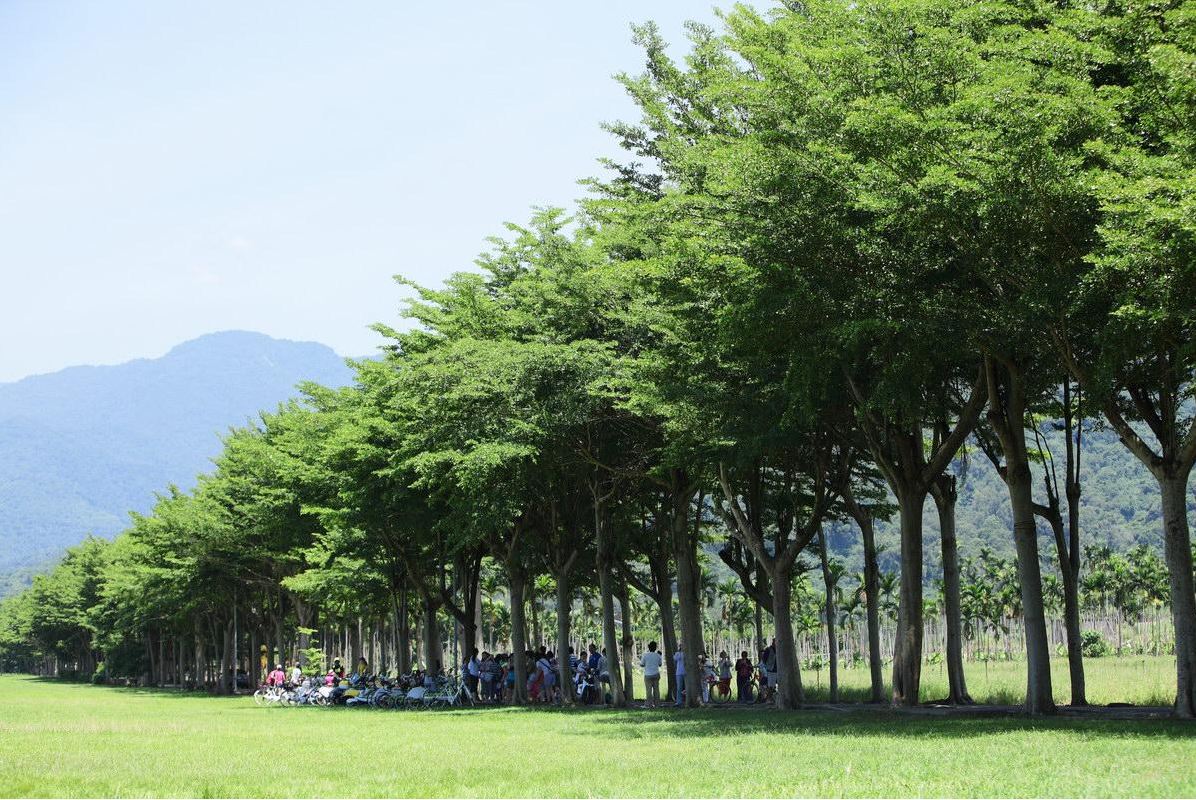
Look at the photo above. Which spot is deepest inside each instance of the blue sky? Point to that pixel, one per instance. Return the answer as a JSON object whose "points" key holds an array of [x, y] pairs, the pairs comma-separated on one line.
{"points": [[170, 169]]}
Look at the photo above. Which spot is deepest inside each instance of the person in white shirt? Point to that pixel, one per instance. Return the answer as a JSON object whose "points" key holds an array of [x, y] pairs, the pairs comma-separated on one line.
{"points": [[296, 675], [651, 662]]}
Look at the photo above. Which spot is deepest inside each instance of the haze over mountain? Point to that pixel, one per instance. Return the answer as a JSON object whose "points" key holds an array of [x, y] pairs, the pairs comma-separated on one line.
{"points": [[82, 447]]}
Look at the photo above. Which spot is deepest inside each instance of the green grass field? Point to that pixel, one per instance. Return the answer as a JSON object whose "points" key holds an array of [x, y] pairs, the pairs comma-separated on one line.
{"points": [[59, 739]]}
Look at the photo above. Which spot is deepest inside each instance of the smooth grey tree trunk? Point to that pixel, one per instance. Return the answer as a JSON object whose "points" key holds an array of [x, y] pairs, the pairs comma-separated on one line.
{"points": [[1039, 695], [907, 655], [403, 631], [628, 643], [564, 603], [945, 495], [516, 584], [872, 607], [832, 638], [789, 687], [606, 591], [1177, 550], [688, 582]]}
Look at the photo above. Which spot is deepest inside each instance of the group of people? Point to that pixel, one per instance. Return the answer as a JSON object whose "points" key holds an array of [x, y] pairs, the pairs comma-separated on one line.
{"points": [[490, 677], [715, 677]]}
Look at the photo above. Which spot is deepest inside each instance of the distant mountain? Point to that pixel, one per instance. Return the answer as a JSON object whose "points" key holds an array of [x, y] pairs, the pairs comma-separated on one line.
{"points": [[82, 447]]}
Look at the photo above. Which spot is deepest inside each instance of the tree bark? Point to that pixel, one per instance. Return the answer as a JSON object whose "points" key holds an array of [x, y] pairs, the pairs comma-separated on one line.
{"points": [[872, 603], [1007, 417], [1039, 695], [564, 603], [403, 631], [945, 495], [517, 583], [606, 591], [789, 687], [1177, 549], [688, 582], [907, 645], [628, 643], [832, 640], [433, 655]]}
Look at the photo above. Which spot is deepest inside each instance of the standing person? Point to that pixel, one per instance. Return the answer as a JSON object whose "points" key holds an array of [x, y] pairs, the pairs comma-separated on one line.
{"points": [[679, 671], [535, 678], [546, 676], [473, 672], [338, 668], [593, 661], [573, 662], [363, 668], [651, 661], [276, 677], [486, 673], [296, 675], [743, 677], [724, 673], [509, 679], [707, 671], [770, 665], [762, 676]]}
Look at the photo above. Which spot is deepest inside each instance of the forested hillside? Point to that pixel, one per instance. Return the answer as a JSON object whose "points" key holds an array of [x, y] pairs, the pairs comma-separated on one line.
{"points": [[1120, 508], [81, 448]]}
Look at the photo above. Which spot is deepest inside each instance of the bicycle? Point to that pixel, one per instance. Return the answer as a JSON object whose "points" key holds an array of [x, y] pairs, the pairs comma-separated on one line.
{"points": [[720, 690]]}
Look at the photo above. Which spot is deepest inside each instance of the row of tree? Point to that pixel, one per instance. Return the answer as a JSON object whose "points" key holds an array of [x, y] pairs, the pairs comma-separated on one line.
{"points": [[855, 242]]}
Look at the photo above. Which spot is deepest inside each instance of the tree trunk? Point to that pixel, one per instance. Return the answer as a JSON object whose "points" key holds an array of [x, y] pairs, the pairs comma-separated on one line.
{"points": [[789, 688], [537, 634], [872, 607], [1072, 590], [907, 645], [516, 585], [668, 636], [477, 617], [945, 495], [403, 633], [564, 603], [688, 581], [829, 610], [1177, 549], [606, 579], [433, 655], [759, 626], [628, 643], [1039, 697]]}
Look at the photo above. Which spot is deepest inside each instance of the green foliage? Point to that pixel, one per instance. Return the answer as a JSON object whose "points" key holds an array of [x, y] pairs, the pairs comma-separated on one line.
{"points": [[1093, 645]]}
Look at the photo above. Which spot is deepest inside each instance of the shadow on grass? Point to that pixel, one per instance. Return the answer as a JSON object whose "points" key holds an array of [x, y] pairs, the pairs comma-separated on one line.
{"points": [[859, 721], [159, 691], [871, 722]]}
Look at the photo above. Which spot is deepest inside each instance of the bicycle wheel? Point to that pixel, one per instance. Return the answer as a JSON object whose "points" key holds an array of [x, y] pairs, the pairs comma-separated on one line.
{"points": [[720, 693], [260, 697]]}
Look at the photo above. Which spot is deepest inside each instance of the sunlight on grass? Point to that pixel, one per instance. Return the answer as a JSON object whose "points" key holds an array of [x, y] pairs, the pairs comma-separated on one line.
{"points": [[89, 741]]}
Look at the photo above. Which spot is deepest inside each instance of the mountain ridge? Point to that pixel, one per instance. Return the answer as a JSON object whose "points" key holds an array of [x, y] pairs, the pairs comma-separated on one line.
{"points": [[82, 447]]}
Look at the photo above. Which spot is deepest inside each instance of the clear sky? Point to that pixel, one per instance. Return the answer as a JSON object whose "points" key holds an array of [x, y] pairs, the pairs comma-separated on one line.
{"points": [[171, 169]]}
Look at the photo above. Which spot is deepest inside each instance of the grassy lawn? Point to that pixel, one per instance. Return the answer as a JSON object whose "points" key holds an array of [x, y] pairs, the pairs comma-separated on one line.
{"points": [[79, 740], [1141, 680]]}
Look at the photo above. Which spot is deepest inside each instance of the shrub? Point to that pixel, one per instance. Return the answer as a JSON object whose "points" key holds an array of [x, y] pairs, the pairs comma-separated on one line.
{"points": [[1093, 645]]}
